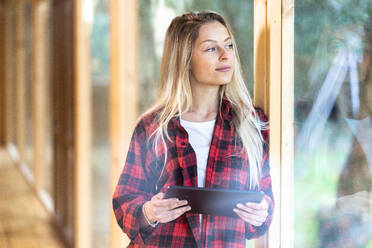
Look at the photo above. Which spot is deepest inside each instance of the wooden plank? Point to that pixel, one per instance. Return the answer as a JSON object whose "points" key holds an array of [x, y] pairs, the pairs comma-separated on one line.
{"points": [[39, 89], [82, 126], [20, 80], [10, 65], [261, 70], [2, 76], [123, 94], [63, 111], [274, 26], [261, 56], [8, 86], [287, 139]]}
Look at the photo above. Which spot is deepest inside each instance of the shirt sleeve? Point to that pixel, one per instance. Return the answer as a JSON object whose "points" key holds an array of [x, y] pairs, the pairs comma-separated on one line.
{"points": [[133, 189], [265, 184]]}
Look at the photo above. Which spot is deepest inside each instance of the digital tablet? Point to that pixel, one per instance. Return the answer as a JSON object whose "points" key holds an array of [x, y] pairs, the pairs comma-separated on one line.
{"points": [[213, 201]]}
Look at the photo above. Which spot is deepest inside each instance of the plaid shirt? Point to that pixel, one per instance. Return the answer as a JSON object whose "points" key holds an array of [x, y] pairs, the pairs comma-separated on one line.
{"points": [[142, 175]]}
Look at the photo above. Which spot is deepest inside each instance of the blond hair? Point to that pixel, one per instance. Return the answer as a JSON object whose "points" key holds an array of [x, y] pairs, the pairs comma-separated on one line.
{"points": [[175, 96]]}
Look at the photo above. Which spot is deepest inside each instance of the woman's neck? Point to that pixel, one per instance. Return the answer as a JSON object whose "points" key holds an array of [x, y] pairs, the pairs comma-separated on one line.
{"points": [[204, 104]]}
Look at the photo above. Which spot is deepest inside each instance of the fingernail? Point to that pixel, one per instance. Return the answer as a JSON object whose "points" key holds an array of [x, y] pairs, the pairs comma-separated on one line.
{"points": [[239, 205], [235, 210], [188, 208]]}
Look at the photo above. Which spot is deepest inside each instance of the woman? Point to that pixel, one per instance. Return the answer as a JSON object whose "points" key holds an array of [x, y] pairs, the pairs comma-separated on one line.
{"points": [[203, 131]]}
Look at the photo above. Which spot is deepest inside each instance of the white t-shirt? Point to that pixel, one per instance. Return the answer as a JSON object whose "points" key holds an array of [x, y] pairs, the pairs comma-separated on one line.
{"points": [[200, 137]]}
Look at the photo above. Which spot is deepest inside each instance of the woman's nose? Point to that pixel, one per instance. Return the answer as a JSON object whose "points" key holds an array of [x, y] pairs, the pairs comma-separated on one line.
{"points": [[224, 54]]}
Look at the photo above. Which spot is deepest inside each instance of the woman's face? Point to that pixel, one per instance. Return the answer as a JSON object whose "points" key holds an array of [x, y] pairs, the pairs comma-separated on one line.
{"points": [[212, 61]]}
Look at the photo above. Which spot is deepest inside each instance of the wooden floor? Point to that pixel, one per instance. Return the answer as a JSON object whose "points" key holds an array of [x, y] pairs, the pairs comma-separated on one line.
{"points": [[24, 223]]}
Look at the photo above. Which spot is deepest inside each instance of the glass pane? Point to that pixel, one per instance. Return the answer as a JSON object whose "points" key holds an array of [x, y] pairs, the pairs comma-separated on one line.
{"points": [[100, 154], [155, 17], [333, 125]]}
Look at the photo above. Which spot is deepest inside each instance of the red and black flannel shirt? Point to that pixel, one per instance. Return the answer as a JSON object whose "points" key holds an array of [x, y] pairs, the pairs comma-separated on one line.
{"points": [[142, 172]]}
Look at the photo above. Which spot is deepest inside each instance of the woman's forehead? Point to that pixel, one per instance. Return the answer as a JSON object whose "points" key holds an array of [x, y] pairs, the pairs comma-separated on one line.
{"points": [[213, 31]]}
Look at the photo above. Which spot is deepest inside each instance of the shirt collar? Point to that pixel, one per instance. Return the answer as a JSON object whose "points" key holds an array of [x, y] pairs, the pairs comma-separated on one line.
{"points": [[225, 112], [226, 109]]}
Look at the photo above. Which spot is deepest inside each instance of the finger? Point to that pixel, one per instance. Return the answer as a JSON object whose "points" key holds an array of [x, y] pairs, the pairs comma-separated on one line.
{"points": [[249, 218], [173, 214], [256, 217], [258, 206], [164, 202], [260, 213], [169, 204], [249, 209], [158, 196]]}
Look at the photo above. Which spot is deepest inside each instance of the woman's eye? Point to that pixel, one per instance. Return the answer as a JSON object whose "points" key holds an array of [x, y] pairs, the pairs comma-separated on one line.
{"points": [[230, 46], [212, 49]]}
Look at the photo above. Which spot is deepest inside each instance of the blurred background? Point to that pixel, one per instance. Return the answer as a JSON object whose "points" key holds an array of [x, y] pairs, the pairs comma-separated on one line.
{"points": [[76, 75]]}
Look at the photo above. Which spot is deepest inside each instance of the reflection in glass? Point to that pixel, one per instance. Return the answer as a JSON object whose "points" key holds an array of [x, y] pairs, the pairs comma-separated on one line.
{"points": [[333, 132]]}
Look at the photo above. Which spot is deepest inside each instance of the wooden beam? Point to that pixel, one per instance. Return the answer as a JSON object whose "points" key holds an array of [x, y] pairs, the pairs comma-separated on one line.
{"points": [[261, 71], [123, 94], [287, 125], [9, 74], [39, 13], [275, 100], [261, 56], [274, 93], [20, 80], [82, 126], [3, 109]]}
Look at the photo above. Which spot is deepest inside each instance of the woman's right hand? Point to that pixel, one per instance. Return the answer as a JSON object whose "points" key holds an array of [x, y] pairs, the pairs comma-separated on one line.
{"points": [[164, 210]]}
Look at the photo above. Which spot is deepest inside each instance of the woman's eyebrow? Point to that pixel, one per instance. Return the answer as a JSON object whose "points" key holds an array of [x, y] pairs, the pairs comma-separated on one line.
{"points": [[228, 38]]}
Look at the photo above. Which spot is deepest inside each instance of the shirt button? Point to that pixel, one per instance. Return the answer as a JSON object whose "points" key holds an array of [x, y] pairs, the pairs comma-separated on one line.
{"points": [[183, 143]]}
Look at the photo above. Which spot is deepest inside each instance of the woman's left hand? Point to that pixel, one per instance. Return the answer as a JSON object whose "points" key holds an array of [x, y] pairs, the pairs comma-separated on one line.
{"points": [[253, 213]]}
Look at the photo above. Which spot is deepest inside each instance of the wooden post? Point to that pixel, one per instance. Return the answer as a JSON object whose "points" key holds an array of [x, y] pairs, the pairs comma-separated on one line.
{"points": [[20, 79], [82, 120], [9, 83], [3, 109], [39, 89], [123, 94], [274, 93], [261, 56], [287, 125], [275, 86], [261, 73]]}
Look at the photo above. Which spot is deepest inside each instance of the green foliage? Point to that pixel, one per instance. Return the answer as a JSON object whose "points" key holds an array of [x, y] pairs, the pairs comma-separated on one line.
{"points": [[100, 44]]}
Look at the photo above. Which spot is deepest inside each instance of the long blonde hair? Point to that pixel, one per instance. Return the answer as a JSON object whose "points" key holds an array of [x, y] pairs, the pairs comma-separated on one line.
{"points": [[174, 92]]}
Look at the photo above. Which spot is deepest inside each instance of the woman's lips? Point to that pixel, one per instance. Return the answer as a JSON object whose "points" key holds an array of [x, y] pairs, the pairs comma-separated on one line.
{"points": [[224, 69]]}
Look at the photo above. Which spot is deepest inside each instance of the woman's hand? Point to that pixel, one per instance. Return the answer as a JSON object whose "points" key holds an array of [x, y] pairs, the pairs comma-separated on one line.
{"points": [[164, 210], [253, 213]]}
